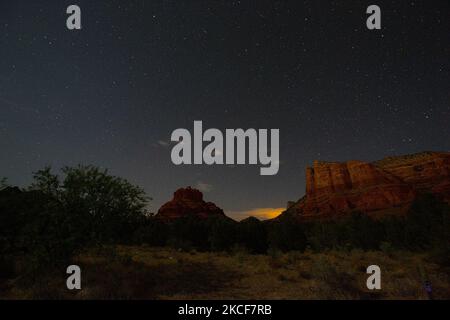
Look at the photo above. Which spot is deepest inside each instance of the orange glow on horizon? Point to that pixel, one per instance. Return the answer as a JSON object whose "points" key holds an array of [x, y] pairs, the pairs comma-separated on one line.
{"points": [[260, 213]]}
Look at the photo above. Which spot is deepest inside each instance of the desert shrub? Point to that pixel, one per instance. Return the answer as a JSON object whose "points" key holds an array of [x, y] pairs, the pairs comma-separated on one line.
{"points": [[294, 256], [190, 230], [424, 227], [354, 231], [252, 234], [322, 235], [441, 255], [222, 233], [240, 253], [214, 233], [275, 256], [386, 247], [180, 244], [335, 284], [361, 231], [152, 232], [287, 234], [427, 223], [394, 229], [6, 267]]}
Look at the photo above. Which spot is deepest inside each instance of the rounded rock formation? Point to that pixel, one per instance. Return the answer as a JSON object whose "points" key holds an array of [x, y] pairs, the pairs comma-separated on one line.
{"points": [[188, 202]]}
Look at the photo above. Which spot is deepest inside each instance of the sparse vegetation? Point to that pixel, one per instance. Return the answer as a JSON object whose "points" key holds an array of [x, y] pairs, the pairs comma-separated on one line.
{"points": [[132, 254], [131, 272]]}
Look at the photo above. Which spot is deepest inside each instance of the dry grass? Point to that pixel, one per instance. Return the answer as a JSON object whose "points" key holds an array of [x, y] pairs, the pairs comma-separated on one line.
{"points": [[163, 273]]}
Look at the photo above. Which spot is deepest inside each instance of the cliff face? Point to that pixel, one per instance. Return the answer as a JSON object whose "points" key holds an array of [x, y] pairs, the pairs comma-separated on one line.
{"points": [[188, 202], [390, 185], [427, 172]]}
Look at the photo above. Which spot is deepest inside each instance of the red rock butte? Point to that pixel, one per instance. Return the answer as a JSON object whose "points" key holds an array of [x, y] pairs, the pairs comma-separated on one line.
{"points": [[188, 202], [385, 186]]}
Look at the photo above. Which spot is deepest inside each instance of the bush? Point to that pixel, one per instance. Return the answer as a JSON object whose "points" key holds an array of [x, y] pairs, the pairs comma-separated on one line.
{"points": [[252, 234], [222, 234], [56, 217], [427, 223], [190, 230], [6, 268], [152, 232], [287, 234]]}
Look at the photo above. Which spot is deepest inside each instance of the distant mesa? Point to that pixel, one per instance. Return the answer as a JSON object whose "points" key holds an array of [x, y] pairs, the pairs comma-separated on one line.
{"points": [[250, 219], [385, 186], [188, 202], [334, 189]]}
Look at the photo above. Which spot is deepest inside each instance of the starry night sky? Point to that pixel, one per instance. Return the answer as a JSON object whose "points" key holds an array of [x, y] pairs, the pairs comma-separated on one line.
{"points": [[112, 93]]}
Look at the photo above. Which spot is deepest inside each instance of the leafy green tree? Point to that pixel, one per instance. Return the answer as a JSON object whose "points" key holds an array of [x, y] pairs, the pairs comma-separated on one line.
{"points": [[33, 223], [103, 208], [58, 215], [46, 182]]}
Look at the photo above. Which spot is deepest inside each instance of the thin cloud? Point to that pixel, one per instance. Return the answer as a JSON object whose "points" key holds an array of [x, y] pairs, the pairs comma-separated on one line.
{"points": [[163, 143], [204, 187]]}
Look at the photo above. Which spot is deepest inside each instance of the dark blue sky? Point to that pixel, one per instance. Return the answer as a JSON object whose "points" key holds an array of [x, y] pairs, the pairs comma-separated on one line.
{"points": [[112, 93]]}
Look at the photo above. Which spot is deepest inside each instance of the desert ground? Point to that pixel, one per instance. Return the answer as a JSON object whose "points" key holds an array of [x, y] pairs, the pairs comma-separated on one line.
{"points": [[140, 272]]}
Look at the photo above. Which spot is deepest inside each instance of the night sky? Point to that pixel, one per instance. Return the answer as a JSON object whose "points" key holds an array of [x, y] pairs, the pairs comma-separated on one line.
{"points": [[112, 93]]}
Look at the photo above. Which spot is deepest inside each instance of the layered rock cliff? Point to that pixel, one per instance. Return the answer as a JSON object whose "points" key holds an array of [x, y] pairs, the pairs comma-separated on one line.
{"points": [[386, 186], [427, 171], [188, 202]]}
